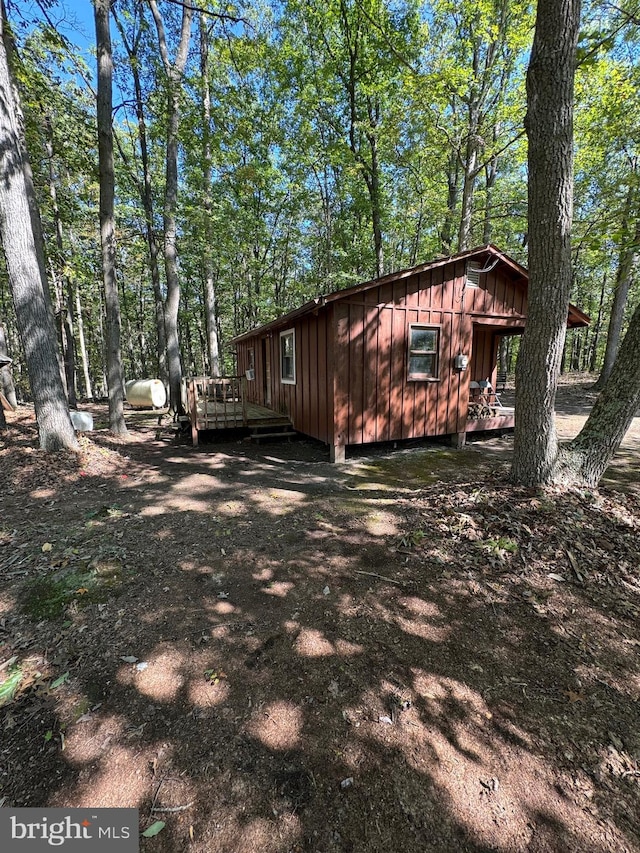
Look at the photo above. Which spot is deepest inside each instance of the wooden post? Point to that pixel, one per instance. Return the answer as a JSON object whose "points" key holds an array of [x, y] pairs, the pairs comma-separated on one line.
{"points": [[192, 399], [458, 440], [243, 398], [337, 453]]}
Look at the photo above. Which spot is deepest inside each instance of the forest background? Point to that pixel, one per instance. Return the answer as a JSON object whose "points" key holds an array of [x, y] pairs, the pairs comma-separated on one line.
{"points": [[315, 148]]}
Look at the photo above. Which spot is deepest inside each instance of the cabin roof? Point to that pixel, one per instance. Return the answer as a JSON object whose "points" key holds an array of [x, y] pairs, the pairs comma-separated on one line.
{"points": [[488, 253]]}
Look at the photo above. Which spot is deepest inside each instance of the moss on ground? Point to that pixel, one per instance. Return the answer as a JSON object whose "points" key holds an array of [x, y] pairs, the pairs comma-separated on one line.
{"points": [[49, 596]]}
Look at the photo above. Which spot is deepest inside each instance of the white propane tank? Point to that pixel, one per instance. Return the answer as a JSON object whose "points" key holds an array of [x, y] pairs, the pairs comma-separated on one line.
{"points": [[146, 393], [82, 421]]}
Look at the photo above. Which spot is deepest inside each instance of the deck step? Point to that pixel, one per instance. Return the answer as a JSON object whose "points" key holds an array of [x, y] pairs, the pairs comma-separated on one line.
{"points": [[286, 431]]}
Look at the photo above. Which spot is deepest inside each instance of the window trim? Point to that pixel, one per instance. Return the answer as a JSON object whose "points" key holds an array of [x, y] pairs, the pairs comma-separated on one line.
{"points": [[285, 380], [424, 377]]}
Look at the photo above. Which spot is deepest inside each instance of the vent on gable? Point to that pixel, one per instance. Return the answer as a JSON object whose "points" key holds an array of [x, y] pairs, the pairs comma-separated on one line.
{"points": [[473, 275]]}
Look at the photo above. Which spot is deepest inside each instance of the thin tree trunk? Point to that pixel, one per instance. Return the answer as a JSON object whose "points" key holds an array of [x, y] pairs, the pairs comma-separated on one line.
{"points": [[26, 271], [373, 183], [627, 263], [491, 174], [6, 378], [213, 346], [83, 345], [549, 125], [469, 181], [597, 326], [453, 175], [64, 305], [146, 197], [115, 375], [172, 303]]}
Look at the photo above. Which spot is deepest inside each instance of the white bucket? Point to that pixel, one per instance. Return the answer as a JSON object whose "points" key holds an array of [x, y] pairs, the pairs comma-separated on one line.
{"points": [[82, 421]]}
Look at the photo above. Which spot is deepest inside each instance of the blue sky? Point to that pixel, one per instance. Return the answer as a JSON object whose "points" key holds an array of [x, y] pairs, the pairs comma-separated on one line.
{"points": [[72, 18], [77, 17]]}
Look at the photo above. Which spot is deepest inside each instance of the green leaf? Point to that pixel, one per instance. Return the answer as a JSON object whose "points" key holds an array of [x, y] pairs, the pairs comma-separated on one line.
{"points": [[9, 686], [154, 829], [59, 681]]}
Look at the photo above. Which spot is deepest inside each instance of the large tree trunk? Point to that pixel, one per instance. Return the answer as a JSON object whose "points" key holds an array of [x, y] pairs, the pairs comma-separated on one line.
{"points": [[585, 459], [26, 271], [549, 125], [115, 375]]}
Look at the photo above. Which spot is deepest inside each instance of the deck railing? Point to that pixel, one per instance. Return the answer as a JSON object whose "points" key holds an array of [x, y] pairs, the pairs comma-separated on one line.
{"points": [[217, 402]]}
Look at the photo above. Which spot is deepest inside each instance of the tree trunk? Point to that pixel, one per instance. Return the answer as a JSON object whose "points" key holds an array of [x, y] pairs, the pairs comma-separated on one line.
{"points": [[146, 197], [373, 183], [213, 348], [115, 376], [627, 263], [83, 345], [585, 459], [27, 276], [6, 379], [453, 173], [596, 328], [469, 180], [172, 303], [491, 175], [64, 306], [549, 125]]}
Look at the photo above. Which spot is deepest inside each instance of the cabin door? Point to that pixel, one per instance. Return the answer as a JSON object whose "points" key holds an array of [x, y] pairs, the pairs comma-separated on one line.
{"points": [[266, 374]]}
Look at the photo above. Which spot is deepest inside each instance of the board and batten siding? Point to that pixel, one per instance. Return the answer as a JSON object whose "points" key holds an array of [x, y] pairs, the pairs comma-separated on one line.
{"points": [[308, 403], [352, 383], [374, 399]]}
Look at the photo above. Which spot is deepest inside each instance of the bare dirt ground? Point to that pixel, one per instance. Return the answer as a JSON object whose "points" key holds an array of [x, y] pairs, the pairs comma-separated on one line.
{"points": [[269, 653]]}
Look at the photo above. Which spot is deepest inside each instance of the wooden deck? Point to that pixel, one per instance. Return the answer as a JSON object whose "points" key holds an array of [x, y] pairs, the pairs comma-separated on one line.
{"points": [[221, 404], [504, 418]]}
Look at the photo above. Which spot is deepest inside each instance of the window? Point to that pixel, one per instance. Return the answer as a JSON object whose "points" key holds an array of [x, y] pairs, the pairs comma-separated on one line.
{"points": [[473, 274], [288, 357], [251, 370], [424, 342]]}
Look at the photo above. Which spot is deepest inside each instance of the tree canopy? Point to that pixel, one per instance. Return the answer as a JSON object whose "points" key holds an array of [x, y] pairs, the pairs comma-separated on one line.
{"points": [[265, 153]]}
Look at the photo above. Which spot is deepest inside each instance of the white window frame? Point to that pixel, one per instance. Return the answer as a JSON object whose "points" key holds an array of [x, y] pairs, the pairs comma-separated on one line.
{"points": [[288, 380], [424, 377]]}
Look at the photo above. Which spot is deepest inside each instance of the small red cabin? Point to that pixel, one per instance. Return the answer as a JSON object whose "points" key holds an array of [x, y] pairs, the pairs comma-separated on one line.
{"points": [[394, 358]]}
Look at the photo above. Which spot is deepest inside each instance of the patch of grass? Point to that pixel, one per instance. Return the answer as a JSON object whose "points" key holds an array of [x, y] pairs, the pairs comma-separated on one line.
{"points": [[500, 546], [413, 539], [10, 685], [6, 536], [96, 516], [48, 597]]}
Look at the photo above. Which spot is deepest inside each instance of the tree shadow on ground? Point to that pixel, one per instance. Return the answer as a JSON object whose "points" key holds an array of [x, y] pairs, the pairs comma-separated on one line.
{"points": [[296, 659]]}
